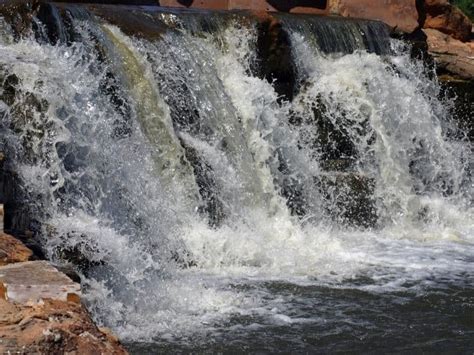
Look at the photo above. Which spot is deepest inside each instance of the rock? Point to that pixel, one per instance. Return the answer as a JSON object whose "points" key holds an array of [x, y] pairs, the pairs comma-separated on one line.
{"points": [[275, 62], [444, 17], [293, 6], [402, 15], [12, 250], [34, 281], [2, 215], [348, 198], [131, 21], [52, 327], [341, 164], [462, 94], [41, 311], [451, 55]]}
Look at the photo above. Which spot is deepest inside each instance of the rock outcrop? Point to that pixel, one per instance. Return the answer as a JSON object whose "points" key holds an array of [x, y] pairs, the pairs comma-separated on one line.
{"points": [[40, 309], [450, 54], [444, 17], [52, 327], [12, 250]]}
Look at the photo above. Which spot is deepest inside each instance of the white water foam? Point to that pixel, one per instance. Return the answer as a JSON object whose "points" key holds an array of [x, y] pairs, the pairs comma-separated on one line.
{"points": [[114, 209]]}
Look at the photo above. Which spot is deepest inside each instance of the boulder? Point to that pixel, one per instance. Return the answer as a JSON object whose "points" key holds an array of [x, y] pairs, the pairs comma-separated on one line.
{"points": [[446, 18], [450, 54], [402, 15]]}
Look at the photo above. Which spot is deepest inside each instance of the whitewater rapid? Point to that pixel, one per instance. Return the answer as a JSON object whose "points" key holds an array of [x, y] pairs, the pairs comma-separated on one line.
{"points": [[159, 163]]}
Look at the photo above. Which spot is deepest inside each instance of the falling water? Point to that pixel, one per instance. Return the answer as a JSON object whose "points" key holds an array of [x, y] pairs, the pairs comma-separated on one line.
{"points": [[195, 199]]}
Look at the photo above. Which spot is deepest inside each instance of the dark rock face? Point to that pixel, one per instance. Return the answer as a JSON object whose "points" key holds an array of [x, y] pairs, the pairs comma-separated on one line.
{"points": [[275, 60], [348, 198], [462, 92], [18, 14]]}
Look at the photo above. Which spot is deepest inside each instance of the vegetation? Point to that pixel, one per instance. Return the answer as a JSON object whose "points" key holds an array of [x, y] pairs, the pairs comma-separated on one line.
{"points": [[467, 6]]}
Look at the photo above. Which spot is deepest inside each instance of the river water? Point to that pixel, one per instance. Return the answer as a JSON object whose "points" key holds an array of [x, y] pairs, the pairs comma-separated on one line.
{"points": [[210, 204]]}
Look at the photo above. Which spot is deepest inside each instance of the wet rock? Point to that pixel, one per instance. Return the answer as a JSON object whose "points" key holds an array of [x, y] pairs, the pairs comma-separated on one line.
{"points": [[275, 62], [78, 255], [450, 54], [34, 281], [19, 15], [131, 21], [401, 15], [333, 142], [68, 270], [348, 198], [53, 29], [418, 46], [12, 250], [205, 179], [444, 17], [342, 165], [53, 327], [462, 92]]}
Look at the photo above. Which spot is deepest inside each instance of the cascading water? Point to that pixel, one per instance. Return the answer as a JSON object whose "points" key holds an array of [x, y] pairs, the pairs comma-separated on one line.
{"points": [[194, 199]]}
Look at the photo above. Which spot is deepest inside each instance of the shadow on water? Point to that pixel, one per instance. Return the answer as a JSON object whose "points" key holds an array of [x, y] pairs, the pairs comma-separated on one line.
{"points": [[339, 319]]}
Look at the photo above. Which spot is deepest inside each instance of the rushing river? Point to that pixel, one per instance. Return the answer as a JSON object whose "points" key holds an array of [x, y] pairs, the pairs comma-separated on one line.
{"points": [[220, 185]]}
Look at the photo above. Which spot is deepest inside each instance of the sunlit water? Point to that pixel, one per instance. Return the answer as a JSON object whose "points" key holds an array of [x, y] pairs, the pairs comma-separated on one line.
{"points": [[156, 168]]}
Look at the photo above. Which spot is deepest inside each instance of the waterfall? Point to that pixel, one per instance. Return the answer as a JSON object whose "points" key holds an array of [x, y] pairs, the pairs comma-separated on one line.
{"points": [[178, 178]]}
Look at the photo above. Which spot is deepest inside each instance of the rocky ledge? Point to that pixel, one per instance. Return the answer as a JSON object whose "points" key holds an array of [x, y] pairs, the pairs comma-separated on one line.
{"points": [[41, 310], [450, 54]]}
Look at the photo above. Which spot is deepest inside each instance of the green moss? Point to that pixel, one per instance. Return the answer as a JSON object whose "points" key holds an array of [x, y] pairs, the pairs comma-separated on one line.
{"points": [[467, 6]]}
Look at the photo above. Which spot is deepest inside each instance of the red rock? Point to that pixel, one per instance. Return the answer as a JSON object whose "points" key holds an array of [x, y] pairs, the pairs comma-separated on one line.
{"points": [[52, 327], [12, 250], [451, 54], [399, 14], [293, 6], [444, 17]]}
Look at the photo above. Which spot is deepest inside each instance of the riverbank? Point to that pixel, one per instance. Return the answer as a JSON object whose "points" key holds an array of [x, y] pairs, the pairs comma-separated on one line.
{"points": [[41, 309]]}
